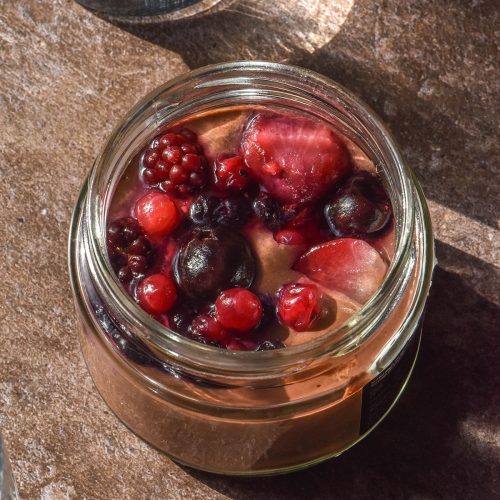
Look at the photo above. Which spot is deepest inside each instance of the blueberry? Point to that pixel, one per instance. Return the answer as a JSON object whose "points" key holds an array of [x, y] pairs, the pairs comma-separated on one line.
{"points": [[269, 211], [202, 210], [233, 212], [212, 260]]}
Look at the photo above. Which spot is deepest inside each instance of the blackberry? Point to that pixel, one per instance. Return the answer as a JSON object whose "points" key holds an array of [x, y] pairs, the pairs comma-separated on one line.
{"points": [[129, 250]]}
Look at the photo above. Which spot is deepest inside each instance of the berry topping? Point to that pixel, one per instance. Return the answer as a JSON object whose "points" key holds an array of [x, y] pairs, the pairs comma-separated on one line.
{"points": [[157, 213], [129, 250], [238, 309], [359, 208], [299, 306], [156, 294], [231, 174], [176, 162], [269, 211], [270, 345], [233, 212], [202, 210], [180, 318], [212, 260], [350, 266], [290, 237], [297, 160], [207, 326], [208, 210]]}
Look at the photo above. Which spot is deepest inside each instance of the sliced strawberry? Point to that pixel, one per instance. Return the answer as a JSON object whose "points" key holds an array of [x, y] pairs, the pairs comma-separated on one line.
{"points": [[347, 265], [297, 160]]}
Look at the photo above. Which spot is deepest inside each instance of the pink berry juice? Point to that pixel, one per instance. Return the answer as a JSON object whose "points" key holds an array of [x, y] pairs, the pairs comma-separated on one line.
{"points": [[250, 230]]}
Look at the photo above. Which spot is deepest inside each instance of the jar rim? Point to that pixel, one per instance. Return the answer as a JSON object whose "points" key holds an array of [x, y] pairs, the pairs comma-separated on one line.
{"points": [[336, 342]]}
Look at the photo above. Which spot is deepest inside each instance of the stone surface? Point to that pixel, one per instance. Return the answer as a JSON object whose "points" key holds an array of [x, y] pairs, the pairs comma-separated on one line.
{"points": [[429, 68]]}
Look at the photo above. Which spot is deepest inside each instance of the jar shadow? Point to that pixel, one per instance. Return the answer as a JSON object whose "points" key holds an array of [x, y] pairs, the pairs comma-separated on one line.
{"points": [[436, 431], [246, 30]]}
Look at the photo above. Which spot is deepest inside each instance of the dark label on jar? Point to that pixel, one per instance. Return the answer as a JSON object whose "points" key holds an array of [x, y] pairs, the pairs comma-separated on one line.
{"points": [[381, 392]]}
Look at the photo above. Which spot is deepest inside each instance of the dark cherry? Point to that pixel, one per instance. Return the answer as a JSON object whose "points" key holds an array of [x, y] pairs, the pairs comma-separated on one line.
{"points": [[212, 260], [269, 211], [359, 208], [270, 345]]}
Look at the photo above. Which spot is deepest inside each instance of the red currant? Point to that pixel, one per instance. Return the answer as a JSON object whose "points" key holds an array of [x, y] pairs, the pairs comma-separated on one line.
{"points": [[238, 309], [157, 214], [156, 293], [299, 305]]}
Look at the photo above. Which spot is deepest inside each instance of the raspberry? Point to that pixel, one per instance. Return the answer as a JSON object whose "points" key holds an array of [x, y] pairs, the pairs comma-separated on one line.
{"points": [[231, 174], [129, 250], [298, 306], [156, 294], [175, 162], [238, 309], [157, 213]]}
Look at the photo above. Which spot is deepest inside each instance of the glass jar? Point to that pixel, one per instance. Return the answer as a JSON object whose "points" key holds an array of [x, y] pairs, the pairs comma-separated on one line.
{"points": [[148, 10], [236, 412]]}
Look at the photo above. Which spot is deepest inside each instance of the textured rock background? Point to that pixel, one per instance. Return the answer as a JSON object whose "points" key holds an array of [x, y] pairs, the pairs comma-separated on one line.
{"points": [[429, 68]]}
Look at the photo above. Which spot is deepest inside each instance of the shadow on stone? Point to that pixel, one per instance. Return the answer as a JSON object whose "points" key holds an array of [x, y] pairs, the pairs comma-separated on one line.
{"points": [[388, 59], [434, 432]]}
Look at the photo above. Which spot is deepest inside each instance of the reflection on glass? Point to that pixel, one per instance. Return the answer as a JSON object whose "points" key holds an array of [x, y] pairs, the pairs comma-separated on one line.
{"points": [[142, 7]]}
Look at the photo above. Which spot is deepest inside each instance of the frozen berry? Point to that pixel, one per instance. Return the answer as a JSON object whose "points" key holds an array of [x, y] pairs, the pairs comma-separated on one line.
{"points": [[202, 210], [232, 212], [360, 208], [231, 174], [238, 309], [156, 294], [269, 211], [290, 237], [270, 345], [180, 318], [212, 260], [298, 306], [157, 213], [129, 250], [175, 161], [348, 265], [207, 326], [297, 160]]}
